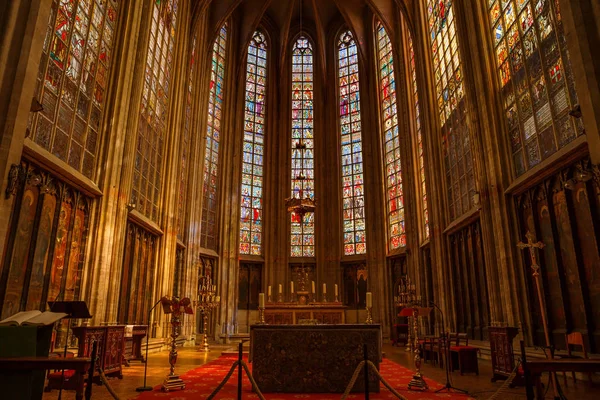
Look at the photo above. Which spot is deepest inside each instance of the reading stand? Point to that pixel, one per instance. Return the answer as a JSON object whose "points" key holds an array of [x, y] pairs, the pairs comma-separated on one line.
{"points": [[73, 309]]}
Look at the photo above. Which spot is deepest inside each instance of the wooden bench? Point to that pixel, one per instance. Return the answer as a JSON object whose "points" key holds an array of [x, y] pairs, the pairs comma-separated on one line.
{"points": [[80, 365]]}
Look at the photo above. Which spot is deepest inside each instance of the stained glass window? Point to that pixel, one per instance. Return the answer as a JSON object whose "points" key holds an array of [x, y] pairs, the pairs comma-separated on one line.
{"points": [[391, 140], [149, 152], [72, 80], [208, 237], [185, 142], [254, 129], [536, 78], [421, 159], [303, 176], [353, 198], [458, 159]]}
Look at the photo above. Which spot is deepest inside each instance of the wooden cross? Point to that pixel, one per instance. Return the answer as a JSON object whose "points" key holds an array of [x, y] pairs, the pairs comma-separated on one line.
{"points": [[531, 245]]}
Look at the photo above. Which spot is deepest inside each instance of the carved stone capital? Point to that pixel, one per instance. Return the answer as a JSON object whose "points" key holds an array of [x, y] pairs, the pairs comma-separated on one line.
{"points": [[16, 176]]}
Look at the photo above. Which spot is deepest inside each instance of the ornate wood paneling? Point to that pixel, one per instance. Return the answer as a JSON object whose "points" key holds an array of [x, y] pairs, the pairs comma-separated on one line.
{"points": [[249, 285], [355, 285], [138, 276], [562, 212], [469, 284], [43, 257]]}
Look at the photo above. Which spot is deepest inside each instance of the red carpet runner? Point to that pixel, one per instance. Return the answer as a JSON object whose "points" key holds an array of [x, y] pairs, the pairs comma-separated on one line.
{"points": [[200, 382]]}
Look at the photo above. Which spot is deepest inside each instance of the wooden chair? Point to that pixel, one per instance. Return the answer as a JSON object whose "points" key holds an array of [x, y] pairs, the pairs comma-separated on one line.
{"points": [[439, 350], [463, 354], [575, 339]]}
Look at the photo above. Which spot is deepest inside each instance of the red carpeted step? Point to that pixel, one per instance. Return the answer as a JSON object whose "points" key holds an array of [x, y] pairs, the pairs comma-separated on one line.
{"points": [[200, 383]]}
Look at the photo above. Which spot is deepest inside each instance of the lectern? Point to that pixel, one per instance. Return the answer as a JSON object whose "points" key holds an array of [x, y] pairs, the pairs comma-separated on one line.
{"points": [[73, 309]]}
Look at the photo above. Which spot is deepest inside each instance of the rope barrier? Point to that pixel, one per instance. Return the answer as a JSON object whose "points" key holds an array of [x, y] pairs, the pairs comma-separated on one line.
{"points": [[218, 388], [506, 383], [252, 381], [381, 378], [108, 387]]}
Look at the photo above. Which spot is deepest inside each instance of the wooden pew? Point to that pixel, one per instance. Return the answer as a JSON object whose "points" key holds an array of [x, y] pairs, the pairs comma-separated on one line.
{"points": [[80, 365], [533, 370]]}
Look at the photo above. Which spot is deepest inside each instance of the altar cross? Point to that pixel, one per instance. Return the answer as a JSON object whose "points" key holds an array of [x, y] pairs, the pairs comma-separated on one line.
{"points": [[531, 245]]}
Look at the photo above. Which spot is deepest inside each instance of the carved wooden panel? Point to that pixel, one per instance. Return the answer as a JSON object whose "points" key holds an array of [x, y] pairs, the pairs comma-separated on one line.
{"points": [[249, 285], [111, 344], [469, 282], [44, 253], [563, 212], [279, 317], [138, 275]]}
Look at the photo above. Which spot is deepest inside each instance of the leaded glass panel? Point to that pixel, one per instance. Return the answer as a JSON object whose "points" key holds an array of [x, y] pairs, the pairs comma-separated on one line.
{"points": [[251, 214]]}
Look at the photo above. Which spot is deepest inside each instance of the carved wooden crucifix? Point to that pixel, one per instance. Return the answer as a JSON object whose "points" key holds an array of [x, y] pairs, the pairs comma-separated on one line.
{"points": [[532, 245]]}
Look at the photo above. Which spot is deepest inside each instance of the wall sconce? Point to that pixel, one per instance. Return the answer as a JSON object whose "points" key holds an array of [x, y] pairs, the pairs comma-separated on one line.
{"points": [[476, 199], [36, 106], [575, 111], [130, 207]]}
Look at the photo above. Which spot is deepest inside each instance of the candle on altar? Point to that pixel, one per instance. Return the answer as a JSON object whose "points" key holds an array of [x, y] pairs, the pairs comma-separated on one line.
{"points": [[313, 286], [369, 299], [280, 291], [261, 300], [324, 288], [269, 290], [218, 299], [292, 286], [335, 289]]}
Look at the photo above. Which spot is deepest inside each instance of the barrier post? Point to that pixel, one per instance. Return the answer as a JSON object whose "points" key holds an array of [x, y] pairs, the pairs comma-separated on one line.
{"points": [[366, 372], [239, 396]]}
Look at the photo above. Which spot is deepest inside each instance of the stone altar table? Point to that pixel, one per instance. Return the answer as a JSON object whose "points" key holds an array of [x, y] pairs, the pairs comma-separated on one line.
{"points": [[312, 358]]}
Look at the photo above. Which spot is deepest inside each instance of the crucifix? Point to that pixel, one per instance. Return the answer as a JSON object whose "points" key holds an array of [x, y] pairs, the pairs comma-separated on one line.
{"points": [[532, 245]]}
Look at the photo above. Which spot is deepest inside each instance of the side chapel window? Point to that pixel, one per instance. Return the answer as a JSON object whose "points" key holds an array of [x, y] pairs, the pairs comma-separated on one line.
{"points": [[208, 236], [151, 140], [421, 159], [458, 158], [72, 80], [536, 80], [391, 140], [303, 175], [253, 151], [351, 145]]}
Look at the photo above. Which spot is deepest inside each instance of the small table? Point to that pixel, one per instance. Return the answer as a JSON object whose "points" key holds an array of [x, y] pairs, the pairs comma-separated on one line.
{"points": [[80, 365]]}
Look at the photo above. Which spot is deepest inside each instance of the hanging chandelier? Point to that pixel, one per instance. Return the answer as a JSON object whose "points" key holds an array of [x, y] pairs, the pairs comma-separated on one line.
{"points": [[298, 203]]}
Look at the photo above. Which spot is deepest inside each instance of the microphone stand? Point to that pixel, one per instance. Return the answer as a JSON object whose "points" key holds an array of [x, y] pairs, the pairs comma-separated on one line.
{"points": [[448, 386], [147, 388]]}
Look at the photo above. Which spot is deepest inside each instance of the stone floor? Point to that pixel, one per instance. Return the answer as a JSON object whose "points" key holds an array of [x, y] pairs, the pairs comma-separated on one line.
{"points": [[480, 387]]}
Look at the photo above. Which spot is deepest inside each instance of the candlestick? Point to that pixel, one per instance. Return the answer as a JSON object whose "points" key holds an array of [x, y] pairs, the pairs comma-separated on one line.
{"points": [[261, 308], [261, 300], [335, 289], [313, 286], [369, 299], [269, 290], [280, 291], [292, 286], [324, 288]]}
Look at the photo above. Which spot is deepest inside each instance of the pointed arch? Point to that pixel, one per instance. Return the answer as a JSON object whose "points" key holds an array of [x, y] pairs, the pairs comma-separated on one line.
{"points": [[251, 211], [353, 197], [391, 139]]}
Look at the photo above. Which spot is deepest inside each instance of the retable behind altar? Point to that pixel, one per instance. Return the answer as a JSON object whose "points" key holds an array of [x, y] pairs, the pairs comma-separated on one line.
{"points": [[312, 358]]}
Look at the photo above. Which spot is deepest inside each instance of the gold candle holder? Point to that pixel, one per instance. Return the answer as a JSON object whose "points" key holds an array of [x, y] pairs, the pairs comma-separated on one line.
{"points": [[369, 316], [261, 315]]}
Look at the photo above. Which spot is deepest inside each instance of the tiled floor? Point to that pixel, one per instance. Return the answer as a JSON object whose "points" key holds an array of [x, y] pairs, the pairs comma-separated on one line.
{"points": [[479, 387]]}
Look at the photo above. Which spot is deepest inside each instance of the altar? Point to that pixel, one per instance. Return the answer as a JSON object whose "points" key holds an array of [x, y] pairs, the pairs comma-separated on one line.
{"points": [[294, 313], [312, 358]]}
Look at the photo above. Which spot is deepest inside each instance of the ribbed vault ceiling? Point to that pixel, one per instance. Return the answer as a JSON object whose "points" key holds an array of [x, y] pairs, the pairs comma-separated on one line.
{"points": [[286, 16]]}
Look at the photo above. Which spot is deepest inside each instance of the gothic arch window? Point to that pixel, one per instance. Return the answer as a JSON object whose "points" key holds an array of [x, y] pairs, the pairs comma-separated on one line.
{"points": [[458, 158], [72, 81], [353, 197], [251, 214], [419, 133], [208, 238], [151, 140], [536, 80], [391, 140], [302, 172], [185, 140]]}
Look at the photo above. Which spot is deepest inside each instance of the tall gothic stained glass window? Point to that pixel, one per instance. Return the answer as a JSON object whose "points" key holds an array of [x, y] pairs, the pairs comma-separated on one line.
{"points": [[353, 197], [251, 213], [72, 80], [303, 176], [421, 158], [208, 236], [458, 159], [535, 75], [149, 152], [391, 140], [185, 141]]}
